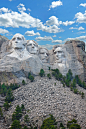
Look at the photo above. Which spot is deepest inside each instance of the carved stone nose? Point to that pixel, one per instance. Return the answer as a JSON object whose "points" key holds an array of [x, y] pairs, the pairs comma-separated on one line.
{"points": [[45, 54], [16, 40], [32, 46]]}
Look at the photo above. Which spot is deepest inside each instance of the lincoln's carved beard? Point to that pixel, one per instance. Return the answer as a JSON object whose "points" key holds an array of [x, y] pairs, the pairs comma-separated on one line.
{"points": [[32, 47], [44, 55]]}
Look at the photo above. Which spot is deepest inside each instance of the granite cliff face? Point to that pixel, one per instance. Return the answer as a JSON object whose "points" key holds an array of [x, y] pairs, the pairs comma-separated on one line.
{"points": [[18, 54], [43, 96], [76, 48], [2, 40]]}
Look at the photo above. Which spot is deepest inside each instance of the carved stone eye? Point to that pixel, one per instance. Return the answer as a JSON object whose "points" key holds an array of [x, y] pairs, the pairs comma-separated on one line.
{"points": [[13, 39], [41, 52], [29, 44], [19, 38], [60, 52]]}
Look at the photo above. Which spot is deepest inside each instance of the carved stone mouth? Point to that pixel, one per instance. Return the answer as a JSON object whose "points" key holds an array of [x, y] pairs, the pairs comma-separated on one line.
{"points": [[18, 48]]}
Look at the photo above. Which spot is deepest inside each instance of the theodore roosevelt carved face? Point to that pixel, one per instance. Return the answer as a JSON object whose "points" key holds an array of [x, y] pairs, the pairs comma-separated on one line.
{"points": [[43, 54], [32, 47]]}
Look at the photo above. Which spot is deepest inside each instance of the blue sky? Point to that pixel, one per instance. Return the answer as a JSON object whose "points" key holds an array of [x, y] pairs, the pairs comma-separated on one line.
{"points": [[47, 22]]}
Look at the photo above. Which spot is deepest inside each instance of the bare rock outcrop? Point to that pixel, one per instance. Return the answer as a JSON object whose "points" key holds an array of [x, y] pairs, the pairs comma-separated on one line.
{"points": [[3, 39], [42, 97], [18, 54], [76, 49]]}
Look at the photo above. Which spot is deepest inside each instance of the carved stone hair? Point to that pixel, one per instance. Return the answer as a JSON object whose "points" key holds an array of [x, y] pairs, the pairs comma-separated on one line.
{"points": [[54, 47], [20, 35], [29, 41], [43, 48]]}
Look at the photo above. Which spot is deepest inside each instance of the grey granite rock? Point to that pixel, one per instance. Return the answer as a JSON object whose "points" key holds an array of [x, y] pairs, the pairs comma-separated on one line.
{"points": [[26, 56], [42, 98]]}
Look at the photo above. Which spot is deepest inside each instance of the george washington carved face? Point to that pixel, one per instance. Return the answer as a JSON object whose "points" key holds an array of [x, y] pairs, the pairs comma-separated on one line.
{"points": [[18, 41]]}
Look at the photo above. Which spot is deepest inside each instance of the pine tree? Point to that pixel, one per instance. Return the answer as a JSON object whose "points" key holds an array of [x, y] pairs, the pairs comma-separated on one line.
{"points": [[42, 73], [16, 125], [9, 96], [17, 114], [82, 95], [31, 78], [6, 106], [26, 118], [23, 82], [1, 114]]}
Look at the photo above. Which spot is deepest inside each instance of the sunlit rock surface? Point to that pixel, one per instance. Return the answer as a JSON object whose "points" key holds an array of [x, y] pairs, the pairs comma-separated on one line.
{"points": [[19, 54], [76, 49]]}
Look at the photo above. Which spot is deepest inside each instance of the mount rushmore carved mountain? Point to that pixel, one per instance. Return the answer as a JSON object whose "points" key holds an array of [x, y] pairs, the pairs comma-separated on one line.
{"points": [[43, 96], [19, 57]]}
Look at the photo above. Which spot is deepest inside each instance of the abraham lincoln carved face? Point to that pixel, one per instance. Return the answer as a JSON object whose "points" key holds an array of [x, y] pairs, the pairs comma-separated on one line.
{"points": [[59, 54]]}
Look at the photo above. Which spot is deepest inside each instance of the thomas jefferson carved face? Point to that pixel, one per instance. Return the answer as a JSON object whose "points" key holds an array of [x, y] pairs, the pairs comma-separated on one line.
{"points": [[44, 55], [18, 41], [32, 47]]}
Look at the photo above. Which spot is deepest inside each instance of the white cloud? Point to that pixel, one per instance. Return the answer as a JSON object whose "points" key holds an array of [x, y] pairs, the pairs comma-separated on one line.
{"points": [[9, 34], [56, 41], [29, 9], [4, 10], [81, 32], [77, 38], [48, 46], [3, 31], [31, 33], [22, 19], [54, 35], [71, 28], [68, 23], [81, 18], [84, 5], [54, 4], [80, 28], [21, 7], [10, 0], [81, 38], [15, 20], [50, 29], [45, 38], [53, 21]]}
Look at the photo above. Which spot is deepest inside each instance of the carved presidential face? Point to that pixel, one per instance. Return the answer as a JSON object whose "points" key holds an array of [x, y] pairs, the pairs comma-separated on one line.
{"points": [[44, 55], [18, 41], [59, 54], [32, 47]]}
